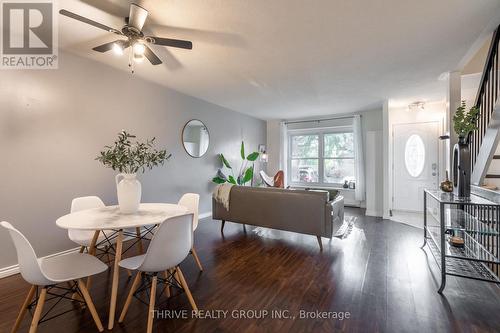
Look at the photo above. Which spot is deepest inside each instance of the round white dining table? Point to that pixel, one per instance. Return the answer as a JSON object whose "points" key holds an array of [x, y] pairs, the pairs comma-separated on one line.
{"points": [[110, 218]]}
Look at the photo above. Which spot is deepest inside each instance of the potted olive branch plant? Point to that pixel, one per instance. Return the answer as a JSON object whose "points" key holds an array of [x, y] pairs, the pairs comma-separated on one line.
{"points": [[245, 172], [464, 123], [129, 158]]}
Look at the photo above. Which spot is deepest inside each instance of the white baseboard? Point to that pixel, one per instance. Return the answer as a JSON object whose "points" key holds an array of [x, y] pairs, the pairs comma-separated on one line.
{"points": [[14, 269], [204, 215]]}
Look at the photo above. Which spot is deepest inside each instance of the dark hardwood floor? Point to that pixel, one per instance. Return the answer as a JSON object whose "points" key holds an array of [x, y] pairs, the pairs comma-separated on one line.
{"points": [[378, 274]]}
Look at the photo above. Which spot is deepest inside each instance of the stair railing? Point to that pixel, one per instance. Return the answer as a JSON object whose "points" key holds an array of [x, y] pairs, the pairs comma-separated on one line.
{"points": [[486, 96]]}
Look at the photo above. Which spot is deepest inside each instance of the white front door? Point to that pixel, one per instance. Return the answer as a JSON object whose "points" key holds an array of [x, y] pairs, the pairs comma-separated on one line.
{"points": [[415, 162]]}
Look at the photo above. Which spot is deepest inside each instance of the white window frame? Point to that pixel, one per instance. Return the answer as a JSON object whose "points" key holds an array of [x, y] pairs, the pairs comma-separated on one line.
{"points": [[320, 132]]}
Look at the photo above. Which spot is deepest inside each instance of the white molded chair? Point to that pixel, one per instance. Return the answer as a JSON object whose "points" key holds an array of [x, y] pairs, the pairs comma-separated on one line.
{"points": [[84, 237], [191, 202], [46, 273], [269, 181], [169, 246]]}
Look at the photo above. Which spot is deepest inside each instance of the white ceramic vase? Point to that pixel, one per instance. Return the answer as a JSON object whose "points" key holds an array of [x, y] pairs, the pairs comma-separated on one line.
{"points": [[129, 190]]}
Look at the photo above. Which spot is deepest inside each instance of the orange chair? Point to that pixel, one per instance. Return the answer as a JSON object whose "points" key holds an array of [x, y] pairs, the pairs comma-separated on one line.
{"points": [[277, 181]]}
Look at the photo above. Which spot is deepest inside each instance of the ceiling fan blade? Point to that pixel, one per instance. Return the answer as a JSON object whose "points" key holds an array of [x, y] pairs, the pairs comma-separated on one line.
{"points": [[137, 16], [108, 46], [152, 57], [183, 44], [88, 21]]}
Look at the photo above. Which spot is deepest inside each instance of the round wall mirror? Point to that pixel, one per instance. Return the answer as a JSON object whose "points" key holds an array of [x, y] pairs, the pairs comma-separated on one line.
{"points": [[195, 138]]}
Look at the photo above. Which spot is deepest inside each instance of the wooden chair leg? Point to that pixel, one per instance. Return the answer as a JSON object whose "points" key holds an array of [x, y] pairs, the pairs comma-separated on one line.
{"points": [[93, 242], [90, 305], [24, 308], [222, 226], [133, 288], [38, 310], [138, 233], [186, 288], [152, 299], [92, 250], [320, 243], [82, 248], [116, 280], [196, 258]]}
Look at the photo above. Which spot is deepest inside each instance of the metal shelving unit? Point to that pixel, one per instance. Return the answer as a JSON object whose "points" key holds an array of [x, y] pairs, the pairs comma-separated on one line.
{"points": [[476, 220]]}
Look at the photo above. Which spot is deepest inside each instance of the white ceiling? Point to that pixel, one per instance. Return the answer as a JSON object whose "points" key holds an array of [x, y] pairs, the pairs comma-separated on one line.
{"points": [[295, 58]]}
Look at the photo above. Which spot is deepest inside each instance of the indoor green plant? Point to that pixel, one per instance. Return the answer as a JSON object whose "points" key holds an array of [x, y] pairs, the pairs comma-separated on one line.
{"points": [[464, 122], [128, 158], [245, 172]]}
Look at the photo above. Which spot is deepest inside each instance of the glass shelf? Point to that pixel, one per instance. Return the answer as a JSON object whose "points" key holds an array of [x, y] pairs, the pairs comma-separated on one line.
{"points": [[472, 249], [462, 268], [450, 198], [477, 221], [458, 219]]}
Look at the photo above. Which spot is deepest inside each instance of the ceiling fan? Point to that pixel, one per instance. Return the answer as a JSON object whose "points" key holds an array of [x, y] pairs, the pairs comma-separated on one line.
{"points": [[136, 39]]}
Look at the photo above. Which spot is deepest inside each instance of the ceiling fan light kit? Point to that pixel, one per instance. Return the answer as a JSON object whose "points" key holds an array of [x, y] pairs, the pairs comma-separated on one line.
{"points": [[138, 57], [132, 30], [118, 47], [139, 48]]}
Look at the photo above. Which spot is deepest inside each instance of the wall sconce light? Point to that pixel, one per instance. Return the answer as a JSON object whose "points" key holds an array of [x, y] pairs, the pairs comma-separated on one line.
{"points": [[263, 157], [263, 153]]}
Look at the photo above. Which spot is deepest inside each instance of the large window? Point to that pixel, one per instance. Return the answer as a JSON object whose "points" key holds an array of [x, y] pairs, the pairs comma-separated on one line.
{"points": [[304, 158], [321, 157]]}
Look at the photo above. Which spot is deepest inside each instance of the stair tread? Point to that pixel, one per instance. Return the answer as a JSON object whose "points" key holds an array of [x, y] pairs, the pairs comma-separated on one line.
{"points": [[490, 187], [492, 176]]}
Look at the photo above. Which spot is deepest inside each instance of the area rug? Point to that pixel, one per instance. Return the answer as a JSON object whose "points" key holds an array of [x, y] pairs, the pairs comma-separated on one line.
{"points": [[346, 227]]}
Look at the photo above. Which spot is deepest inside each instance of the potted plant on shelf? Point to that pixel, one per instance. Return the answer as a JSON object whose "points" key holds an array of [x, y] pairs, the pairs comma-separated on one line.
{"points": [[245, 173], [464, 122], [128, 158]]}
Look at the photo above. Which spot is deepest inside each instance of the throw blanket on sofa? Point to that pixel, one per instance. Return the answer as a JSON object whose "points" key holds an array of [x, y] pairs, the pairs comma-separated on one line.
{"points": [[222, 193]]}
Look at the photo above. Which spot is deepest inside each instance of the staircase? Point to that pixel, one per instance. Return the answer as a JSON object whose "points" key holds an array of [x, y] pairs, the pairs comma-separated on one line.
{"points": [[485, 161], [492, 177], [485, 153]]}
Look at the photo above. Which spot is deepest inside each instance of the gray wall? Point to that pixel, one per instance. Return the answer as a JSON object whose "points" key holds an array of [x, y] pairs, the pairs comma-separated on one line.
{"points": [[54, 122]]}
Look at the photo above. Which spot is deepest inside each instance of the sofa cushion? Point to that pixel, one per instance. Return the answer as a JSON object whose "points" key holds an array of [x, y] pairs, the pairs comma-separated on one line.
{"points": [[332, 193]]}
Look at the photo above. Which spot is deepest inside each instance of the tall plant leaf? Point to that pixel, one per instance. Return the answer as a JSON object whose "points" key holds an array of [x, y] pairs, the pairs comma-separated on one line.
{"points": [[221, 175], [218, 180], [253, 156], [231, 180], [225, 162], [242, 150], [248, 175]]}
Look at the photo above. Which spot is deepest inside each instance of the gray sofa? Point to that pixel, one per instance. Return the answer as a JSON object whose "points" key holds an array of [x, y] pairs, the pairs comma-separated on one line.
{"points": [[306, 212]]}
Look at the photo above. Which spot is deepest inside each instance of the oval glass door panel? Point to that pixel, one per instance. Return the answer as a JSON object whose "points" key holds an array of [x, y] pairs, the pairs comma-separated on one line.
{"points": [[414, 155], [195, 138]]}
